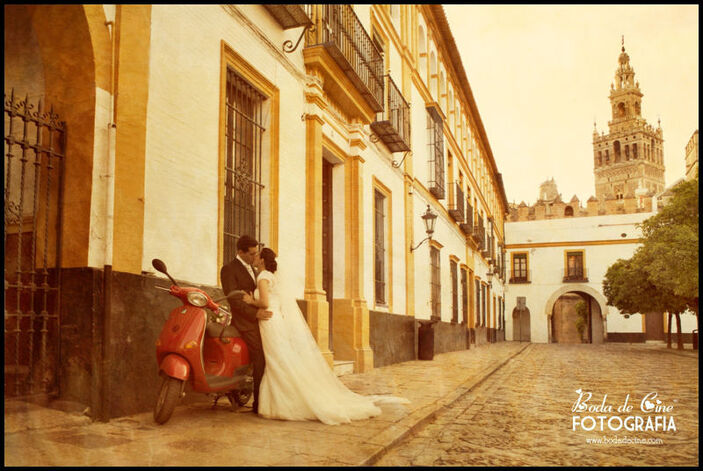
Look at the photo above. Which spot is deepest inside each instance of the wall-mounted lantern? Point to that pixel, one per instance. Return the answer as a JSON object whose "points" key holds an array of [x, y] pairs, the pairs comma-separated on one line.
{"points": [[429, 218]]}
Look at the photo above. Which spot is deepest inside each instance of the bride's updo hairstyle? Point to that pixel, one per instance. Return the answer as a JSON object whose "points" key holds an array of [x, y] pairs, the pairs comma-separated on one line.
{"points": [[269, 258]]}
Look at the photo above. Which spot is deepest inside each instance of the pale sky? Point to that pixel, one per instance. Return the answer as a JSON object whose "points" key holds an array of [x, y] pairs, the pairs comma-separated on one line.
{"points": [[541, 76]]}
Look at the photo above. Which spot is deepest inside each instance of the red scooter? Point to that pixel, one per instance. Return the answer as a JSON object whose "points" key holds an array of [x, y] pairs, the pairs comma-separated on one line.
{"points": [[200, 346]]}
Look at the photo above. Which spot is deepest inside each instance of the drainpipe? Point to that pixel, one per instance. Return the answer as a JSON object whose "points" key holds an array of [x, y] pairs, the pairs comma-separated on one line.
{"points": [[104, 390], [110, 170]]}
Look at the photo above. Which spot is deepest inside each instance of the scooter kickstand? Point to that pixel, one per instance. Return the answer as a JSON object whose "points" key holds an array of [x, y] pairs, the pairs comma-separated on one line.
{"points": [[214, 401]]}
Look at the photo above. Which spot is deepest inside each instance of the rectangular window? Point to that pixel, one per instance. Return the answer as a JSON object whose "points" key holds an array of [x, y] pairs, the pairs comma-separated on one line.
{"points": [[455, 291], [436, 288], [574, 266], [379, 247], [519, 268], [483, 305], [435, 139], [244, 129], [464, 297], [477, 290]]}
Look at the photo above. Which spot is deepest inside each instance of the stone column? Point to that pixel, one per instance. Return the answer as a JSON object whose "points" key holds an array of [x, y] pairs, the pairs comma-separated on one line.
{"points": [[351, 313], [316, 306]]}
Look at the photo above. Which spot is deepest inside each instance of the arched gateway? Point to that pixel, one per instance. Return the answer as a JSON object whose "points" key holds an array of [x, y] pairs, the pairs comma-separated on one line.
{"points": [[562, 316]]}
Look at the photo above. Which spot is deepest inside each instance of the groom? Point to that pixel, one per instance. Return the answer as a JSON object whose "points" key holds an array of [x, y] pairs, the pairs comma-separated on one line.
{"points": [[239, 275]]}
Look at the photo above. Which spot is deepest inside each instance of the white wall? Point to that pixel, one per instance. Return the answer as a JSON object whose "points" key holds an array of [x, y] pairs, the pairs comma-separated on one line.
{"points": [[183, 133], [599, 237]]}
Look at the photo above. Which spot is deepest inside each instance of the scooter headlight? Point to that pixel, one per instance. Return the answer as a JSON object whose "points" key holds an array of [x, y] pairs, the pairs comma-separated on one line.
{"points": [[197, 299]]}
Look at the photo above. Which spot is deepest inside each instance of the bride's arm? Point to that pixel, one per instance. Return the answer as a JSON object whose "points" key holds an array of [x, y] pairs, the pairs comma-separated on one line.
{"points": [[264, 286]]}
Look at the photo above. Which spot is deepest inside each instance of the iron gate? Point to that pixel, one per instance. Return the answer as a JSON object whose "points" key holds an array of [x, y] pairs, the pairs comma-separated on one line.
{"points": [[34, 161]]}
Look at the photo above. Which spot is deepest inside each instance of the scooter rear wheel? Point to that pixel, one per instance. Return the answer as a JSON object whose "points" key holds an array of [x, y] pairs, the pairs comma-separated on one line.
{"points": [[169, 394]]}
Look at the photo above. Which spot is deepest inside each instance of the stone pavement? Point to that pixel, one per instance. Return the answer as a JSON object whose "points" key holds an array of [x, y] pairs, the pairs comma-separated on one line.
{"points": [[198, 435], [522, 414]]}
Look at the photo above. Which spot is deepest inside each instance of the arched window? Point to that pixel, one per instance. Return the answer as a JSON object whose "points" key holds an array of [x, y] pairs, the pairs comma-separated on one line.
{"points": [[616, 151], [599, 161], [433, 73], [422, 52], [569, 211], [627, 152], [442, 87], [621, 110], [634, 151]]}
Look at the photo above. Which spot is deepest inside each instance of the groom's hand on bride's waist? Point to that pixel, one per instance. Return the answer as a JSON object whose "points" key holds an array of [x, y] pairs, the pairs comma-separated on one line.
{"points": [[262, 314]]}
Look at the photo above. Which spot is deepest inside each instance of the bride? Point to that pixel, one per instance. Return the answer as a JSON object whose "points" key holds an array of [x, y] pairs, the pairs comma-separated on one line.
{"points": [[298, 383]]}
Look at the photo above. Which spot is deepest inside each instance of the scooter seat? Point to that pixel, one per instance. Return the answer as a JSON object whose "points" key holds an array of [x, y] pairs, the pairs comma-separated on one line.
{"points": [[213, 329]]}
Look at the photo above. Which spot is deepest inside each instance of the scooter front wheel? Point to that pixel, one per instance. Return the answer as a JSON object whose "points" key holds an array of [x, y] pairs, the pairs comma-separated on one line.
{"points": [[168, 399]]}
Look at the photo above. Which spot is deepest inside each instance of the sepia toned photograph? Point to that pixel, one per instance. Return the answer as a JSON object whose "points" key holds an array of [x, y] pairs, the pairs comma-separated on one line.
{"points": [[316, 235]]}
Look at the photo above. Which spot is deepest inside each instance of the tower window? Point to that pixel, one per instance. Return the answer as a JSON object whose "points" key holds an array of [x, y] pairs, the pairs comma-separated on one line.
{"points": [[616, 150]]}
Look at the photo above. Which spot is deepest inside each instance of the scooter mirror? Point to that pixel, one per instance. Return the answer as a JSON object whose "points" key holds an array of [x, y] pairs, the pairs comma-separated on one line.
{"points": [[159, 265]]}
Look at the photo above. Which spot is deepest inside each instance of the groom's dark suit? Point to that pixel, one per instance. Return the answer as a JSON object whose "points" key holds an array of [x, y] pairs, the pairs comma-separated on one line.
{"points": [[235, 276]]}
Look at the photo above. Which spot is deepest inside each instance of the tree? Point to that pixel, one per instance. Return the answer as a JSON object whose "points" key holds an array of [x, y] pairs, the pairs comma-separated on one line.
{"points": [[670, 244], [628, 287], [662, 275]]}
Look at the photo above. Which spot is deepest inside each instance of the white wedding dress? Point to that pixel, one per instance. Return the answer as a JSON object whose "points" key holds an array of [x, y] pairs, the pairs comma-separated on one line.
{"points": [[298, 383]]}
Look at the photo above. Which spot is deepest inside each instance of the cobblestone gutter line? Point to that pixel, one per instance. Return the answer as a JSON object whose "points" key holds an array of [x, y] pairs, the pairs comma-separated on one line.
{"points": [[394, 434]]}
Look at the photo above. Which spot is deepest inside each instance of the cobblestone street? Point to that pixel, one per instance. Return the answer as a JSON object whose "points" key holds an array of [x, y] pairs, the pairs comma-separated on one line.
{"points": [[522, 414]]}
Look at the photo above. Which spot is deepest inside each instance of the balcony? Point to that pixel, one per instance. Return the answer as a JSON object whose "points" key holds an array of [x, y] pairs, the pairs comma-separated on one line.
{"points": [[521, 277], [468, 227], [478, 237], [456, 209], [574, 275], [392, 125], [290, 15], [350, 65]]}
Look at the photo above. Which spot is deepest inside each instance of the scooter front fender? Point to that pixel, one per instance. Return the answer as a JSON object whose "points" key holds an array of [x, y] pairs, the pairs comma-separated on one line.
{"points": [[175, 366]]}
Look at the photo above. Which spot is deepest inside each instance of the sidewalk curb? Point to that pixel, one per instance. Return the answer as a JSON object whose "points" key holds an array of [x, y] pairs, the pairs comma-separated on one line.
{"points": [[397, 432]]}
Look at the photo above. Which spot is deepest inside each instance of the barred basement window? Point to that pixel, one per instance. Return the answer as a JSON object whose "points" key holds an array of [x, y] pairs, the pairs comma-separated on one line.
{"points": [[244, 128], [435, 284]]}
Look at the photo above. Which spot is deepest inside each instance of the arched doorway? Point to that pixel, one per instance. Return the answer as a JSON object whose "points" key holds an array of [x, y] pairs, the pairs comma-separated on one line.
{"points": [[576, 318], [521, 324], [50, 87]]}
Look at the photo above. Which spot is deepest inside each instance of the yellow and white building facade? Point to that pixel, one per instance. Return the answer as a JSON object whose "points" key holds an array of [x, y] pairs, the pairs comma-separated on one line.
{"points": [[324, 131]]}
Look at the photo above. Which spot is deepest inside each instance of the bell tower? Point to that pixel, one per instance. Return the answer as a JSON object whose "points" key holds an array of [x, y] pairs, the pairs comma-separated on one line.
{"points": [[630, 156]]}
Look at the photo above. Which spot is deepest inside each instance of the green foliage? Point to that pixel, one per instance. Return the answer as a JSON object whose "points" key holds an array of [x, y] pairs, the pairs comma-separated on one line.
{"points": [[671, 242], [582, 319], [662, 275]]}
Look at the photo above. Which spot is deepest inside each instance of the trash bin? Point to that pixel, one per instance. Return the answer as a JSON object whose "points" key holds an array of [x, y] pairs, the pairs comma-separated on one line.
{"points": [[425, 339], [694, 339]]}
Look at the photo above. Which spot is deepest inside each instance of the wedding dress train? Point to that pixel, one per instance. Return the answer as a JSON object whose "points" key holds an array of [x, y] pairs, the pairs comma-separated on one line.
{"points": [[298, 383]]}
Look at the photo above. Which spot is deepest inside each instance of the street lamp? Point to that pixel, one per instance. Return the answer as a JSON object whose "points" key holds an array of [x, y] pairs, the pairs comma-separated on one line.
{"points": [[429, 218]]}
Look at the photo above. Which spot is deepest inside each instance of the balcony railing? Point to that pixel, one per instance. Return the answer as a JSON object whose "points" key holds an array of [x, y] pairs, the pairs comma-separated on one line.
{"points": [[339, 30], [468, 226], [574, 275], [521, 277], [392, 125], [479, 236], [290, 15], [456, 209]]}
